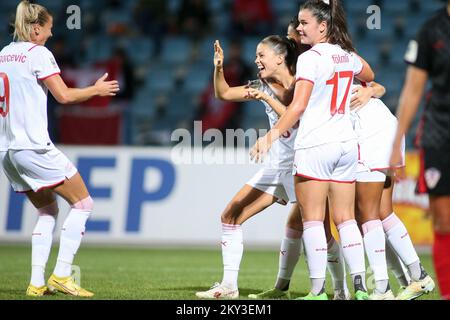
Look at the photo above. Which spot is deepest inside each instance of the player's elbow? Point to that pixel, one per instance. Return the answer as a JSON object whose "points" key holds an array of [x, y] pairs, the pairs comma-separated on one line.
{"points": [[64, 99]]}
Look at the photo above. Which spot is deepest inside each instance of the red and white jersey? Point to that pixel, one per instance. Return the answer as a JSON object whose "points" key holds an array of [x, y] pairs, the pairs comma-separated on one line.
{"points": [[327, 116], [281, 154], [23, 67]]}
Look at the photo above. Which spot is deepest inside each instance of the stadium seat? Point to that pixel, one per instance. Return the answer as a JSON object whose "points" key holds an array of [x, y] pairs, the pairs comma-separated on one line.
{"points": [[176, 50]]}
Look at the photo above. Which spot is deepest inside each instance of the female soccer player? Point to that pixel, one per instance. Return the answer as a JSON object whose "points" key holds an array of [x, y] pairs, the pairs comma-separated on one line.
{"points": [[32, 163], [375, 127], [291, 246], [276, 58], [427, 57], [326, 146]]}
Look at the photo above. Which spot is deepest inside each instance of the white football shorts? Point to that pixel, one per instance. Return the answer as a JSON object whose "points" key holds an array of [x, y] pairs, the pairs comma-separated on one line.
{"points": [[331, 162], [279, 183], [36, 170]]}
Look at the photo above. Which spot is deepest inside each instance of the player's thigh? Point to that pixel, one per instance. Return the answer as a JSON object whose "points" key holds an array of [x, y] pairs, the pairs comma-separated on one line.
{"points": [[245, 204], [311, 197], [73, 190], [41, 198], [386, 207], [440, 209], [368, 198], [342, 201]]}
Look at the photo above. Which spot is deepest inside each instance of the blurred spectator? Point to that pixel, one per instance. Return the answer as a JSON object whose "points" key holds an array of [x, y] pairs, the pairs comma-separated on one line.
{"points": [[125, 74], [399, 27], [252, 17], [194, 19], [151, 19], [220, 114], [65, 61], [414, 5]]}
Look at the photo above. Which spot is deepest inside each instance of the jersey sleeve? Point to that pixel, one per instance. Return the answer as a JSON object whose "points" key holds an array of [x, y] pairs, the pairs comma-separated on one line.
{"points": [[43, 64], [357, 65], [419, 50], [307, 66]]}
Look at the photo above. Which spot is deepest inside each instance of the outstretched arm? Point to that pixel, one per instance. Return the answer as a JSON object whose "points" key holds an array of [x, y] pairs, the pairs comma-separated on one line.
{"points": [[366, 74], [222, 90], [66, 95]]}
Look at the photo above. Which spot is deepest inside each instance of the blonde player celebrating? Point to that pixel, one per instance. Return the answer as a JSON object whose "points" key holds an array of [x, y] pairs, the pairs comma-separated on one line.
{"points": [[32, 163], [326, 147]]}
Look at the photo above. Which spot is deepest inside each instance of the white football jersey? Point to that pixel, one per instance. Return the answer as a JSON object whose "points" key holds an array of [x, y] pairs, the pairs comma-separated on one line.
{"points": [[23, 67], [281, 154], [372, 118], [327, 116]]}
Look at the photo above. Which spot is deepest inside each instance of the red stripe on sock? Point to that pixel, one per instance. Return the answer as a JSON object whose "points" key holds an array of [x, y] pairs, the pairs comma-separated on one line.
{"points": [[442, 262]]}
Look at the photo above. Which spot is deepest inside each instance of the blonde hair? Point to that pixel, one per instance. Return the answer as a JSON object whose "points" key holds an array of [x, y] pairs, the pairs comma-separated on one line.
{"points": [[28, 14]]}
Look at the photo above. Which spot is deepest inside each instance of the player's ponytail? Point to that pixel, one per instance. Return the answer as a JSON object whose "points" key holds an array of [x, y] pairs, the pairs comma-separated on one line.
{"points": [[332, 13], [28, 14], [284, 46], [338, 31]]}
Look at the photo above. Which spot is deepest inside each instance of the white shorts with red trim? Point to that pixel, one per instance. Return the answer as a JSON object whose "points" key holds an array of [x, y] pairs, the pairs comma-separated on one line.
{"points": [[372, 176], [276, 182], [331, 162], [375, 150], [36, 170]]}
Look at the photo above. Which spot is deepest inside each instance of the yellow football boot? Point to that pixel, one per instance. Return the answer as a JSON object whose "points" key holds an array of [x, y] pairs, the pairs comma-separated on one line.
{"points": [[33, 291], [67, 286]]}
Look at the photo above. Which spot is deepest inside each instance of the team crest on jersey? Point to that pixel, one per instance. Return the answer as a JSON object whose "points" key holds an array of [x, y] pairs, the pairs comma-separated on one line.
{"points": [[432, 177], [412, 51]]}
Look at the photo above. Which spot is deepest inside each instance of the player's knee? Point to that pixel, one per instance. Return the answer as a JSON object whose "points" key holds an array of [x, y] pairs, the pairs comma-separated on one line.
{"points": [[231, 213], [295, 222], [86, 204], [49, 210]]}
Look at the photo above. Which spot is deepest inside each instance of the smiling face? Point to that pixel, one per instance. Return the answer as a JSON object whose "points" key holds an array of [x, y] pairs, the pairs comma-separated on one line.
{"points": [[267, 60], [311, 31], [42, 33]]}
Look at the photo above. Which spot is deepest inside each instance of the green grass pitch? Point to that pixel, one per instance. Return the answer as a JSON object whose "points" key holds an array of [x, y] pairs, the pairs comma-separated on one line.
{"points": [[158, 274]]}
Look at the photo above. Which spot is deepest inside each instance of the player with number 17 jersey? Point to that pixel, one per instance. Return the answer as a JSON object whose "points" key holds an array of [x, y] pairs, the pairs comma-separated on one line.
{"points": [[326, 118]]}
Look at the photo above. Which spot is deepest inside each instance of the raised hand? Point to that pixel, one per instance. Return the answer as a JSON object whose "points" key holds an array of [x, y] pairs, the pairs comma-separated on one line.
{"points": [[106, 88], [218, 55]]}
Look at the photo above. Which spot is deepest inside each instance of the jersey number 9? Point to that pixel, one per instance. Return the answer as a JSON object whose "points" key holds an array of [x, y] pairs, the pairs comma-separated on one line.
{"points": [[4, 94]]}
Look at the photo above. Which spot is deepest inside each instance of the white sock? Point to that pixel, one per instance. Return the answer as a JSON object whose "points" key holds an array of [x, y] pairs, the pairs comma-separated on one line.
{"points": [[71, 235], [290, 251], [41, 243], [232, 251], [336, 266], [375, 245], [353, 251], [396, 266], [398, 238], [316, 250]]}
